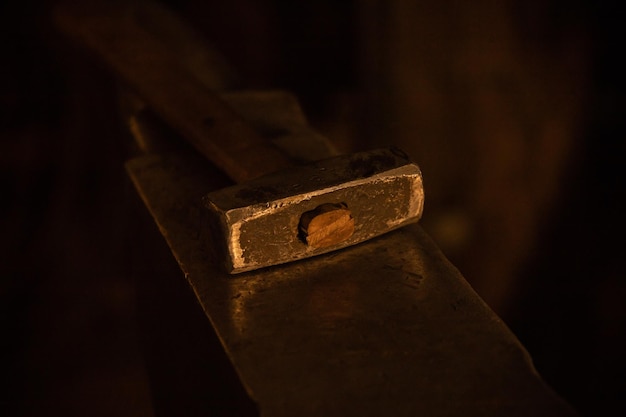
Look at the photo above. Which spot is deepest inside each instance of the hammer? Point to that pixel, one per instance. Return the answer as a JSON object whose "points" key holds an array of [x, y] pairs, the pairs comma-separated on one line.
{"points": [[278, 211]]}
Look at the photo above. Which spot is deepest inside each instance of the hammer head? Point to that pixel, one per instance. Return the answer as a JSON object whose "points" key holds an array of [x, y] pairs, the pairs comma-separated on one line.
{"points": [[315, 208]]}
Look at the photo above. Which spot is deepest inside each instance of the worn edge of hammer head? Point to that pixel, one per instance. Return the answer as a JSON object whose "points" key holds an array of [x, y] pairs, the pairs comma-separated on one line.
{"points": [[257, 223]]}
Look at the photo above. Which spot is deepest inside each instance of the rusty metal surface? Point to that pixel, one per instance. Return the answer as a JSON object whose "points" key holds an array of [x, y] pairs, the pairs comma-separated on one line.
{"points": [[388, 327]]}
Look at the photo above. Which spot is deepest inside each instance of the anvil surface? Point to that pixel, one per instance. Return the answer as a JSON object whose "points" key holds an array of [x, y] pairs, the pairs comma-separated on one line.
{"points": [[387, 327]]}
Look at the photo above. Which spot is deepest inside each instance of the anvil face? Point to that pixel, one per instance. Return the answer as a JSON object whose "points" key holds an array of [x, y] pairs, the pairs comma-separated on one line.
{"points": [[259, 221]]}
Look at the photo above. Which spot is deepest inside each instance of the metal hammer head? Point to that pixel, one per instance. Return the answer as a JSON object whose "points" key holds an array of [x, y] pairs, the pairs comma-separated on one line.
{"points": [[316, 208]]}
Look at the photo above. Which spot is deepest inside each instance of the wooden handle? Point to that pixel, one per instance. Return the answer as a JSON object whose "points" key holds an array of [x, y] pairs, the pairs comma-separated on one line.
{"points": [[155, 73]]}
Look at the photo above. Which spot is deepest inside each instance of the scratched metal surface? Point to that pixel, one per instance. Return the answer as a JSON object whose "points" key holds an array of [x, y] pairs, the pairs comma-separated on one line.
{"points": [[388, 327], [258, 220]]}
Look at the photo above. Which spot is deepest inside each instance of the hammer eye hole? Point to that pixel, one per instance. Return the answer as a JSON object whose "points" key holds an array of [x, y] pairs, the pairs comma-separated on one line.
{"points": [[327, 225]]}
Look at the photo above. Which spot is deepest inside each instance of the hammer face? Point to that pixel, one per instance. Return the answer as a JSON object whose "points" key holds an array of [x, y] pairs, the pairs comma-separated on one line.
{"points": [[259, 220]]}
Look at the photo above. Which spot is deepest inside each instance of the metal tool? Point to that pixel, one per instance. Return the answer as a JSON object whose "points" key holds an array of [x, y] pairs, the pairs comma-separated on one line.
{"points": [[316, 208], [279, 212]]}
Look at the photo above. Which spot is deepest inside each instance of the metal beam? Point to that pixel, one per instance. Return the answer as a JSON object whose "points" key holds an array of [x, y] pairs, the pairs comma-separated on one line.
{"points": [[388, 327]]}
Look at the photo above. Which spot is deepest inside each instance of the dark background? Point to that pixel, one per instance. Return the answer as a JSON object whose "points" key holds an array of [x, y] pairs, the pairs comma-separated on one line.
{"points": [[69, 337]]}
